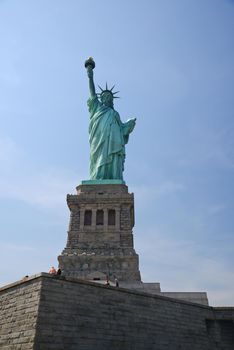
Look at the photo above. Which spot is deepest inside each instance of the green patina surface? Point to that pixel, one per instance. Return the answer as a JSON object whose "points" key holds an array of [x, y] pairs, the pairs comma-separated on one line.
{"points": [[108, 135], [103, 182]]}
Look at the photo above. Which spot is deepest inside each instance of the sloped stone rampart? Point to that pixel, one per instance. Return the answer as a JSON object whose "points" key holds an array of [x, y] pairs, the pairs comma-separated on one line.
{"points": [[67, 314], [19, 303]]}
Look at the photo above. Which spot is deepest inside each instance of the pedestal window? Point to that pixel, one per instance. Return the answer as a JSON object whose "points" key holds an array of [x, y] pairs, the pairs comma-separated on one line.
{"points": [[111, 217], [100, 217], [88, 218]]}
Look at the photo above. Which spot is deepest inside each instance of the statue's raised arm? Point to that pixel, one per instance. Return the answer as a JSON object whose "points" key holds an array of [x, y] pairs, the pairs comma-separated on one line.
{"points": [[90, 65]]}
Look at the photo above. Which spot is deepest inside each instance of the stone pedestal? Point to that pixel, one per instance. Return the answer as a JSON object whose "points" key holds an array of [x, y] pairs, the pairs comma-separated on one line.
{"points": [[100, 239]]}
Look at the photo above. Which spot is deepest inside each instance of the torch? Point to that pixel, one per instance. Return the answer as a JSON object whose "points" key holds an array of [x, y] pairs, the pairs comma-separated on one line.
{"points": [[89, 63]]}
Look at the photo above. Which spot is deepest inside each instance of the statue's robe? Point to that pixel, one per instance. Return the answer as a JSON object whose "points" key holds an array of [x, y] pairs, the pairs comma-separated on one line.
{"points": [[107, 137]]}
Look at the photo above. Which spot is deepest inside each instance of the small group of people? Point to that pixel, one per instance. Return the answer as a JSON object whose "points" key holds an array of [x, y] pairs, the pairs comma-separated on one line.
{"points": [[108, 281], [53, 271]]}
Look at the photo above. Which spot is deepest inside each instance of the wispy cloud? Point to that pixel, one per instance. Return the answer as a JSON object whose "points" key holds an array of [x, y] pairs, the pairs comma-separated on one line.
{"points": [[210, 147], [47, 188], [216, 208], [167, 187], [9, 152], [183, 265], [15, 247]]}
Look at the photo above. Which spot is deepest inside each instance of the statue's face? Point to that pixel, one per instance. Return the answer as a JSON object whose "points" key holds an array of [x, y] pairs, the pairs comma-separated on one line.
{"points": [[107, 99]]}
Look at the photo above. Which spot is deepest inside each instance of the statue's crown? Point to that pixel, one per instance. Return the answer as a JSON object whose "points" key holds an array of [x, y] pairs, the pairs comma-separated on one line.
{"points": [[108, 90]]}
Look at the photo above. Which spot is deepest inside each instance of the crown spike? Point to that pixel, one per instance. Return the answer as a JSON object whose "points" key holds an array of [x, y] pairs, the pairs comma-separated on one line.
{"points": [[100, 88], [106, 86], [112, 88], [116, 92]]}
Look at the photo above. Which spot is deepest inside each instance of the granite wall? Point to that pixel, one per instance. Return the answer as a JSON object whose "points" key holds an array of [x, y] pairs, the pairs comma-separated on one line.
{"points": [[19, 304], [53, 313]]}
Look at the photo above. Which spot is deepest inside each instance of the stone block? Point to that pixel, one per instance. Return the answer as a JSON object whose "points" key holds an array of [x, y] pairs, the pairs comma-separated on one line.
{"points": [[100, 248]]}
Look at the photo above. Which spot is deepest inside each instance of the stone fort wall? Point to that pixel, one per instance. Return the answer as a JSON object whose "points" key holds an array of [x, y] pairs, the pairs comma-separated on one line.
{"points": [[19, 305], [47, 312]]}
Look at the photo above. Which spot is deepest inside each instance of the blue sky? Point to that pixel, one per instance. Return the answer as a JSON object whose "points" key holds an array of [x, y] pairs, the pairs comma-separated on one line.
{"points": [[173, 64]]}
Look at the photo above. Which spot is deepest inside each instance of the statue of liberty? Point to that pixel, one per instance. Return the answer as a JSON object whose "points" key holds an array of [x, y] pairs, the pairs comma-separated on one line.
{"points": [[107, 134]]}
